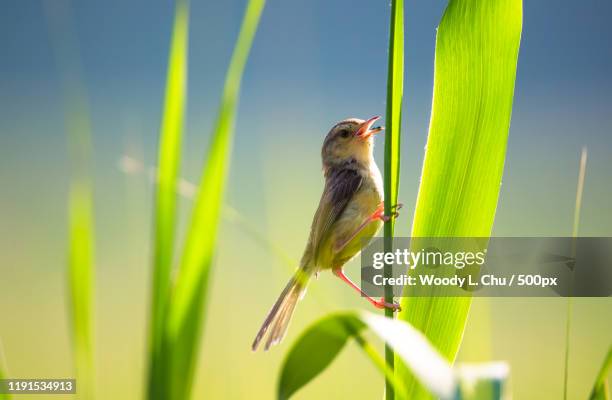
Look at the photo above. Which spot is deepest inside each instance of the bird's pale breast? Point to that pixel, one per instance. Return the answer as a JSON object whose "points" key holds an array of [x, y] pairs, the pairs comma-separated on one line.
{"points": [[359, 209]]}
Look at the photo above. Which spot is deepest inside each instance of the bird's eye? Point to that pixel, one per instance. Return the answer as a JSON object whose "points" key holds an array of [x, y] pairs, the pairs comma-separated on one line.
{"points": [[345, 133]]}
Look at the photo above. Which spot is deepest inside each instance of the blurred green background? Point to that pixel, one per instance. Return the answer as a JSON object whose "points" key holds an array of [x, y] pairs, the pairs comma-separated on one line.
{"points": [[312, 63]]}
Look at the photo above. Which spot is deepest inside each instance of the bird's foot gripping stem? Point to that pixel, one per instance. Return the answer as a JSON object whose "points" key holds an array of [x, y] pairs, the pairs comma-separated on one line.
{"points": [[380, 212], [381, 304]]}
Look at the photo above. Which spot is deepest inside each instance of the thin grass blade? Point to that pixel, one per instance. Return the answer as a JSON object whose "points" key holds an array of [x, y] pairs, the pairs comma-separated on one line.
{"points": [[80, 203], [570, 307], [232, 215], [80, 278], [475, 67], [600, 388], [171, 133], [181, 339], [3, 396]]}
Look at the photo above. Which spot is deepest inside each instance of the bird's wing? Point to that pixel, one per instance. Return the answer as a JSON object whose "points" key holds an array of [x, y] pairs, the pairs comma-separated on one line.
{"points": [[340, 186]]}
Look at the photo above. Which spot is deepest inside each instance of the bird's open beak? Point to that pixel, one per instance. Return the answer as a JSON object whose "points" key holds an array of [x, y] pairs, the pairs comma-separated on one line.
{"points": [[366, 130]]}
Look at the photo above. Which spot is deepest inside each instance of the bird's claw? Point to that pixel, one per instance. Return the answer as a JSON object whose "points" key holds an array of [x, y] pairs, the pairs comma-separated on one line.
{"points": [[382, 304], [380, 212], [394, 213]]}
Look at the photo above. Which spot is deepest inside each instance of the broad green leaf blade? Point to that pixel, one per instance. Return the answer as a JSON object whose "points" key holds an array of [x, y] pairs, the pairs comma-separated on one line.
{"points": [[475, 67], [314, 351], [171, 133], [183, 326], [319, 345], [393, 121], [600, 388]]}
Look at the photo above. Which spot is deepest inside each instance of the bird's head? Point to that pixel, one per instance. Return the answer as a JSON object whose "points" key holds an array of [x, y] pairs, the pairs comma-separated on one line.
{"points": [[349, 139]]}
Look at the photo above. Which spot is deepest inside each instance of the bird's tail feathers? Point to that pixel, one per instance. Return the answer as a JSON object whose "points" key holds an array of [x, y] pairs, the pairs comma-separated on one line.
{"points": [[280, 314]]}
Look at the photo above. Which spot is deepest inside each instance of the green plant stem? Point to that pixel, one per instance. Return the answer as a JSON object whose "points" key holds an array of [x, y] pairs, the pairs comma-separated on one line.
{"points": [[395, 87], [389, 354]]}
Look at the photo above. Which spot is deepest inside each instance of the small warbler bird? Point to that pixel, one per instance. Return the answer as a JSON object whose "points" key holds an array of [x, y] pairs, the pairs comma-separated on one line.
{"points": [[350, 210]]}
